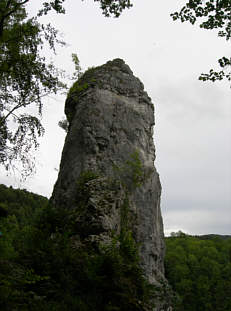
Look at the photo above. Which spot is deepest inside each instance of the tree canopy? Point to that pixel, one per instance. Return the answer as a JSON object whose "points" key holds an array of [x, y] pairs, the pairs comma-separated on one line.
{"points": [[211, 15], [199, 271]]}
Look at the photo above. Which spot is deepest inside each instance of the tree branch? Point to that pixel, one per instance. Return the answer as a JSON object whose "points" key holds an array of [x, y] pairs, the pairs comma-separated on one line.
{"points": [[3, 119], [9, 13]]}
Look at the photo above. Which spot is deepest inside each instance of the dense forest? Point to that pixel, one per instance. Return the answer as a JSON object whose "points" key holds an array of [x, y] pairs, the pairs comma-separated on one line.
{"points": [[41, 268], [199, 270], [44, 267]]}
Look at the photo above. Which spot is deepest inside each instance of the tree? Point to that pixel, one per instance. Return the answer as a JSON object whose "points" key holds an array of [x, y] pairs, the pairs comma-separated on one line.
{"points": [[26, 76], [213, 14]]}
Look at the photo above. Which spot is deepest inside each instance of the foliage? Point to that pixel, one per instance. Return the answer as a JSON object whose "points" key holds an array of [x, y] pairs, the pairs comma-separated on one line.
{"points": [[78, 70], [199, 270], [85, 177], [77, 88], [64, 124], [214, 14], [213, 76], [132, 172], [84, 79], [16, 201], [83, 83], [25, 78], [108, 7], [44, 265]]}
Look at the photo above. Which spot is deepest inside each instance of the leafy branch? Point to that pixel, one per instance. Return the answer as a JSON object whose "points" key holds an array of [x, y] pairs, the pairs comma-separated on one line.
{"points": [[213, 14]]}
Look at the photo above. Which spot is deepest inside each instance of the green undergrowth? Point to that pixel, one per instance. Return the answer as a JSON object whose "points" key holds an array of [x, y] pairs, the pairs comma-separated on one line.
{"points": [[83, 83], [93, 76], [131, 173], [45, 265], [78, 88]]}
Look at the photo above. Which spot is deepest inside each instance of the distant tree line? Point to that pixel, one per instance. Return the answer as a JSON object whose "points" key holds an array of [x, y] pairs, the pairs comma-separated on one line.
{"points": [[199, 271]]}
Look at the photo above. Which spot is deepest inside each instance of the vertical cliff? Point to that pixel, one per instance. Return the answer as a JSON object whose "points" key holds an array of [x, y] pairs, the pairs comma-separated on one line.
{"points": [[108, 160]]}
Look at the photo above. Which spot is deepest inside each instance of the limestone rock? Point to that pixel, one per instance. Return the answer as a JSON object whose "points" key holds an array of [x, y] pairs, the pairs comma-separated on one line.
{"points": [[111, 117]]}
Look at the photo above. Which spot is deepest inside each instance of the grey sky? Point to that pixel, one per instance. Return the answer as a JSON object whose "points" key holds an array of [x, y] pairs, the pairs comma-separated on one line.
{"points": [[193, 128]]}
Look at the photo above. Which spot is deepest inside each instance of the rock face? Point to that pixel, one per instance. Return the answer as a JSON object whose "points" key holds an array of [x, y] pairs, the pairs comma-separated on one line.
{"points": [[111, 122]]}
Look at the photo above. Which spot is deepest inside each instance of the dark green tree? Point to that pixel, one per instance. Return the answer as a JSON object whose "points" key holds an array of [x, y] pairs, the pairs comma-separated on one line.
{"points": [[211, 15]]}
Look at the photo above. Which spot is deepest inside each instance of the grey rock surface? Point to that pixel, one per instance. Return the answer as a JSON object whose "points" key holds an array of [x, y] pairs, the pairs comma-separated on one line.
{"points": [[111, 117]]}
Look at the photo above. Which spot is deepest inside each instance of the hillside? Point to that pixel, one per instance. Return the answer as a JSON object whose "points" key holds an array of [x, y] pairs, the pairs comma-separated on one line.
{"points": [[199, 270], [43, 268], [35, 272]]}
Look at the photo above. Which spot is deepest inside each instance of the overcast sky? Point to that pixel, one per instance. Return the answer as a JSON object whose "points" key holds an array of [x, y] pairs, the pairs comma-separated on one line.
{"points": [[193, 119]]}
